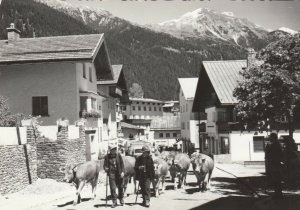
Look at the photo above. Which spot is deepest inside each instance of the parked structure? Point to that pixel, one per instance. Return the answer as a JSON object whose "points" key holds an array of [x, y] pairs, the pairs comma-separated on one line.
{"points": [[188, 120], [222, 135]]}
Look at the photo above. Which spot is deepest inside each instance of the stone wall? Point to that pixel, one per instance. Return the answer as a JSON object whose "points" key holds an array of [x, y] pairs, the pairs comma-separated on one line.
{"points": [[55, 155], [17, 170]]}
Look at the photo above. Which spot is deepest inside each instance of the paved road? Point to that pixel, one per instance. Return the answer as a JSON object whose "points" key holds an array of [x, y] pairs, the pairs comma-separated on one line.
{"points": [[225, 194]]}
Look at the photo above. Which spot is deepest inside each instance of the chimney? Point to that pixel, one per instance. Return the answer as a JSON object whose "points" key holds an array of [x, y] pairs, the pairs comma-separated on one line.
{"points": [[251, 58], [12, 33]]}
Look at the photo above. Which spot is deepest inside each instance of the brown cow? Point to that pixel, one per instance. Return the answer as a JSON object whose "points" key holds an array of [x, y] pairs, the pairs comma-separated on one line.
{"points": [[161, 171], [203, 166], [129, 163], [179, 168], [81, 174]]}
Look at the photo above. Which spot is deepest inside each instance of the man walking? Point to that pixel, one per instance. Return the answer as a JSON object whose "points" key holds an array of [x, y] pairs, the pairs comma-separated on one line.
{"points": [[274, 158], [114, 167], [144, 169]]}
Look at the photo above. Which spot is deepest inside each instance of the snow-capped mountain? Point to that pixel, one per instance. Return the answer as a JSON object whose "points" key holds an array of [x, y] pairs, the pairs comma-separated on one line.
{"points": [[91, 16], [204, 22], [288, 30]]}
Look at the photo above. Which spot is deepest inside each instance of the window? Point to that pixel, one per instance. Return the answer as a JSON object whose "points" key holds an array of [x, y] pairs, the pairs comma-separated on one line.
{"points": [[175, 135], [40, 105], [133, 108], [145, 108], [150, 108], [90, 74], [182, 125], [188, 125], [148, 103], [258, 143], [224, 145], [155, 109], [137, 102], [161, 135], [186, 106], [93, 103], [160, 109], [139, 108], [153, 103], [84, 71], [168, 135]]}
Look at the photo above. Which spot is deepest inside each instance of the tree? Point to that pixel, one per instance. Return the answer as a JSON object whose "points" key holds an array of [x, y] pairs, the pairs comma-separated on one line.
{"points": [[271, 90], [136, 91], [7, 119]]}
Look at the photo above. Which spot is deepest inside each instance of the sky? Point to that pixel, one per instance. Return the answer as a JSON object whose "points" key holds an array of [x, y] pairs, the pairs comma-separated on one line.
{"points": [[270, 14]]}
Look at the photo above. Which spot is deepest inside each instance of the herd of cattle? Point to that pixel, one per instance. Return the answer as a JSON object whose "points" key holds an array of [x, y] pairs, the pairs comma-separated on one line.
{"points": [[175, 164]]}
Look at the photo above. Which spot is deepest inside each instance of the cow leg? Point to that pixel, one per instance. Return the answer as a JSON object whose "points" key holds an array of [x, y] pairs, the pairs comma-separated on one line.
{"points": [[205, 182], [134, 182], [162, 184], [94, 187], [125, 182], [208, 183], [78, 198], [154, 184], [157, 185]]}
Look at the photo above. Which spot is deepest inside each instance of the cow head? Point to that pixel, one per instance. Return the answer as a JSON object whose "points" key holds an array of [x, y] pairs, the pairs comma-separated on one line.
{"points": [[70, 173]]}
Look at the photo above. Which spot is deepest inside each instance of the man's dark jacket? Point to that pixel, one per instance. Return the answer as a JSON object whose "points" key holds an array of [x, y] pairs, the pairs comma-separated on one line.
{"points": [[149, 167], [119, 162]]}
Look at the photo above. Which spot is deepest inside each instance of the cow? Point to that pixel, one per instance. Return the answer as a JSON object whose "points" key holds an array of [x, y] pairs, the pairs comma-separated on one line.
{"points": [[203, 166], [161, 171], [80, 174], [179, 168], [129, 163]]}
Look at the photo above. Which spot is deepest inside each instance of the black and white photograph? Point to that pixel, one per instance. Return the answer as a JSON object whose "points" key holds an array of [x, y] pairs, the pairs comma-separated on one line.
{"points": [[150, 104]]}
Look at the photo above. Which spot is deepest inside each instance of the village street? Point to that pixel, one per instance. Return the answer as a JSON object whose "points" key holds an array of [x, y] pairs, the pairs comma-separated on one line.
{"points": [[227, 193]]}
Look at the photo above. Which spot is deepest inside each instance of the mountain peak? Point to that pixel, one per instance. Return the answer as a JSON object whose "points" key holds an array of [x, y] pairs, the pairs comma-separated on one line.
{"points": [[288, 30], [230, 14]]}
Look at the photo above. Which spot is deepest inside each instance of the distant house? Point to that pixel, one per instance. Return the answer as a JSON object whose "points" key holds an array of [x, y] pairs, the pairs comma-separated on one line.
{"points": [[188, 120], [56, 77], [140, 112], [222, 135], [115, 92], [166, 130]]}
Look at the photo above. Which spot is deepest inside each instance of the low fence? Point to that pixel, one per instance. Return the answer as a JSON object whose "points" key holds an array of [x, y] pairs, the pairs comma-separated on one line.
{"points": [[41, 157]]}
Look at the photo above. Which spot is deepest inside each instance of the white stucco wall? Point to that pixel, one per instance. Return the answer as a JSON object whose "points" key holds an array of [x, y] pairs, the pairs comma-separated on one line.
{"points": [[8, 135], [19, 83]]}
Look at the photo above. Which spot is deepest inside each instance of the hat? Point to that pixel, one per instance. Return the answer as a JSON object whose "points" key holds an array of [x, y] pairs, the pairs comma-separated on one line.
{"points": [[112, 146], [145, 148]]}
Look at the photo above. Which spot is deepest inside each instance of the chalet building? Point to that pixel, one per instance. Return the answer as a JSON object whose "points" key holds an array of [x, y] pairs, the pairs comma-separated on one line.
{"points": [[171, 108], [140, 112], [115, 92], [188, 120], [166, 131], [57, 77], [222, 135]]}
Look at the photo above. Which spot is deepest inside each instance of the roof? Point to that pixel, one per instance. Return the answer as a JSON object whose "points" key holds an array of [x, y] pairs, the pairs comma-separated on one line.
{"points": [[47, 49], [165, 123], [127, 125], [117, 72], [145, 100], [188, 86], [224, 76]]}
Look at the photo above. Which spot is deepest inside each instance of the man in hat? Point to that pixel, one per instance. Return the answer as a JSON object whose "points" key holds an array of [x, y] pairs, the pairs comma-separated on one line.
{"points": [[144, 169], [274, 158], [114, 167]]}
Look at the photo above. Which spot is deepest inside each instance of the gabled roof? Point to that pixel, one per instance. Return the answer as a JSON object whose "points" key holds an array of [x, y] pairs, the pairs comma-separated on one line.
{"points": [[224, 76], [49, 49], [145, 100], [130, 126], [188, 86], [117, 72]]}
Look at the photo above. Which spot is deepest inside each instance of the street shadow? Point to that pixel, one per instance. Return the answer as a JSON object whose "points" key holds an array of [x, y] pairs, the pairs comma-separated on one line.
{"points": [[289, 202], [71, 202], [228, 203], [107, 198]]}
